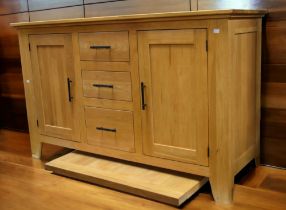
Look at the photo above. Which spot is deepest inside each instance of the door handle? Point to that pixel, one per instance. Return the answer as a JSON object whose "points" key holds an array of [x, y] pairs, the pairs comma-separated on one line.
{"points": [[69, 90], [143, 105], [100, 47], [103, 85], [106, 129]]}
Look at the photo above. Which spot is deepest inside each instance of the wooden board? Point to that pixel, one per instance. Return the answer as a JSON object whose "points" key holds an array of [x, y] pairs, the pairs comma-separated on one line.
{"points": [[137, 17], [157, 185]]}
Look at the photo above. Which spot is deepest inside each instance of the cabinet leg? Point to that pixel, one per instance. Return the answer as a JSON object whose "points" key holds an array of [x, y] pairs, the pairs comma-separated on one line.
{"points": [[36, 148], [257, 161], [257, 154], [222, 189]]}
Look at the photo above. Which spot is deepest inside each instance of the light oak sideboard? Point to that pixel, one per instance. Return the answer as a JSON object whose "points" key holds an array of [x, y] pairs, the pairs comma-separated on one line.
{"points": [[179, 91]]}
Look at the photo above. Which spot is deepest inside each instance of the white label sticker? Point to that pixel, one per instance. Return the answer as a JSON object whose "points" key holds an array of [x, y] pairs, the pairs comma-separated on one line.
{"points": [[216, 30]]}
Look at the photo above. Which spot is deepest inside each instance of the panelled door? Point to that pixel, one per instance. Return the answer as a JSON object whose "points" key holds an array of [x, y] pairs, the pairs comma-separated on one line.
{"points": [[53, 70], [174, 90]]}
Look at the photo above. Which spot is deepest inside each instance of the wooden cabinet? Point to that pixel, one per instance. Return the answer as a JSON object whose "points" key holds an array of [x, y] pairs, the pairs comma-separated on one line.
{"points": [[173, 71], [53, 74], [179, 91]]}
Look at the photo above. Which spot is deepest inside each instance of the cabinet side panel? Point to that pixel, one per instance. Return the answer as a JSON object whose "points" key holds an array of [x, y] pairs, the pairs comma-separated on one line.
{"points": [[29, 94], [245, 47]]}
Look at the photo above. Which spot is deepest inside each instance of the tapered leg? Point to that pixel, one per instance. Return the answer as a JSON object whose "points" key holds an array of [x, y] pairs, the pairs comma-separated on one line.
{"points": [[222, 189], [36, 148]]}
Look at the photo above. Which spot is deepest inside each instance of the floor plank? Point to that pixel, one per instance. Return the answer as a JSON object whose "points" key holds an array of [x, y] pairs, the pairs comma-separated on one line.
{"points": [[25, 185], [15, 148], [266, 178]]}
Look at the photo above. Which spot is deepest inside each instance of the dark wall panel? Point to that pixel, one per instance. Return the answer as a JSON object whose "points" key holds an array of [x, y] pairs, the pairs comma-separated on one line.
{"points": [[136, 7], [273, 151], [59, 13], [14, 117], [50, 4], [274, 96], [275, 73], [8, 36], [12, 100], [13, 6], [99, 1], [275, 44], [273, 135], [240, 4], [10, 57], [11, 81]]}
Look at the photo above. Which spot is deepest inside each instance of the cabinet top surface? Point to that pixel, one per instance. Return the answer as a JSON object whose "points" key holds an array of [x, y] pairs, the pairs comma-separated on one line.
{"points": [[202, 14]]}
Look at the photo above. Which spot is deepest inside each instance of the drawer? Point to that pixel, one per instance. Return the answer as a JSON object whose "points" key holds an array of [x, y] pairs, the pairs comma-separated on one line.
{"points": [[104, 46], [109, 128], [107, 85]]}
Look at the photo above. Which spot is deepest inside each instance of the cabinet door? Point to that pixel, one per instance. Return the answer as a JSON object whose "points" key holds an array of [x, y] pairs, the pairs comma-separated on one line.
{"points": [[173, 72], [53, 72]]}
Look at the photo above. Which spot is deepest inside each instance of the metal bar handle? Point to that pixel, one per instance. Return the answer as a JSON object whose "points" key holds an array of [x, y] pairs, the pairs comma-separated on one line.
{"points": [[143, 105], [106, 129], [100, 47], [103, 85], [69, 90]]}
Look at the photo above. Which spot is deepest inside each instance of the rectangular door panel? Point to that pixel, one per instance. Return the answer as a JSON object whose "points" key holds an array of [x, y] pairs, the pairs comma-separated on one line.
{"points": [[173, 68], [52, 63]]}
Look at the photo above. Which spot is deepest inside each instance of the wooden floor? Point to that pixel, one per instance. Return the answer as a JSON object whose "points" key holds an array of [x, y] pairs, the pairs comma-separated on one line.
{"points": [[25, 185]]}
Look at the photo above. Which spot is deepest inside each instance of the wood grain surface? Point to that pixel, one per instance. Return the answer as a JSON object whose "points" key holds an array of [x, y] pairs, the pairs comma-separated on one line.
{"points": [[12, 99], [135, 7], [13, 6], [57, 13], [51, 4], [149, 182], [274, 59], [273, 141], [260, 190]]}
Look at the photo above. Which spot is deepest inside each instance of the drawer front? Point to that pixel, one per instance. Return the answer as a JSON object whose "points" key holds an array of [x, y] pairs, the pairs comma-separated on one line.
{"points": [[110, 128], [104, 46], [107, 85]]}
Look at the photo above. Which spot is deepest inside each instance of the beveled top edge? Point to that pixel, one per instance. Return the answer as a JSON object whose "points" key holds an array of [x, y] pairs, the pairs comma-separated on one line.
{"points": [[230, 12]]}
